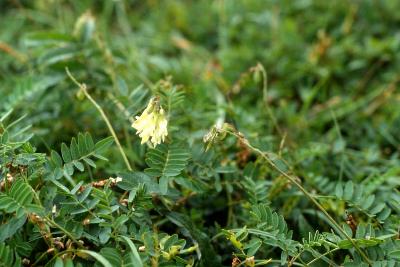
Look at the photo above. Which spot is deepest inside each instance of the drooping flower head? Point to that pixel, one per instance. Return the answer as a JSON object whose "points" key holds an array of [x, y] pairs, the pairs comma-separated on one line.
{"points": [[152, 124]]}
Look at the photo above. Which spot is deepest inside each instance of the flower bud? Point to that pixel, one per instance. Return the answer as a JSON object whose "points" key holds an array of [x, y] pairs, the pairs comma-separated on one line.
{"points": [[85, 27]]}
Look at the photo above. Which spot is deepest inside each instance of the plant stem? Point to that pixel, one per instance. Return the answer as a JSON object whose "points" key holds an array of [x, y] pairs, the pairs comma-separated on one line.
{"points": [[264, 88], [302, 189], [294, 263], [230, 208], [82, 86], [62, 229], [322, 255]]}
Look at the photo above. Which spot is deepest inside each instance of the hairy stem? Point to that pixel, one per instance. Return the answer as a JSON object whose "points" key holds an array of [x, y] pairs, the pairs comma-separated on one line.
{"points": [[294, 181], [82, 86]]}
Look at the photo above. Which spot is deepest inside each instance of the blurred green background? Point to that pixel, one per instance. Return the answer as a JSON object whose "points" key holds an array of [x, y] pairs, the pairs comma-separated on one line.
{"points": [[320, 56]]}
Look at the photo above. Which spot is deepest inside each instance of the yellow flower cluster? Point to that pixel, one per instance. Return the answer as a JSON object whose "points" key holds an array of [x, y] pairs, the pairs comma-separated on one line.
{"points": [[152, 124]]}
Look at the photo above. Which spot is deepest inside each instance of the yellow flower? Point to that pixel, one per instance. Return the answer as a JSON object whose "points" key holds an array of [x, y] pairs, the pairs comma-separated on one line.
{"points": [[152, 124]]}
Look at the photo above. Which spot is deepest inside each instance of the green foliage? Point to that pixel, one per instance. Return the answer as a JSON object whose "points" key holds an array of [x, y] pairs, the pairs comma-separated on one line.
{"points": [[73, 157], [301, 167], [8, 258], [165, 162], [17, 199]]}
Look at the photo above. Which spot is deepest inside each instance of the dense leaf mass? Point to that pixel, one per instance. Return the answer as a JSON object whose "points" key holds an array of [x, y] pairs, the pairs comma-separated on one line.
{"points": [[279, 123]]}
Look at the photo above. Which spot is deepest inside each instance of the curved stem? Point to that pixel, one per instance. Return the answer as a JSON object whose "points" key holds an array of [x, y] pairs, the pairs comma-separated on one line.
{"points": [[322, 255], [302, 189], [264, 85], [55, 255], [82, 86], [62, 229]]}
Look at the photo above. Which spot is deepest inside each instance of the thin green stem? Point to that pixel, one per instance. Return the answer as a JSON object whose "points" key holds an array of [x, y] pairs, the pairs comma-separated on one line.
{"points": [[294, 181], [339, 132], [322, 255], [62, 229], [294, 263], [82, 86], [261, 68], [55, 255], [230, 207]]}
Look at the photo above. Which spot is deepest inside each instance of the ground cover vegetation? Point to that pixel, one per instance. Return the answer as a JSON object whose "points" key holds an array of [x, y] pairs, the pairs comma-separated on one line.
{"points": [[199, 133]]}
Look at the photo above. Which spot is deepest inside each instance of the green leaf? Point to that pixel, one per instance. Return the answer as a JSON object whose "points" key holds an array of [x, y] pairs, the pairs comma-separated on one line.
{"points": [[362, 242], [61, 186], [166, 160], [56, 159], [37, 209], [17, 199], [97, 256], [112, 255], [253, 246], [368, 202], [89, 142], [59, 262], [8, 258], [394, 254], [103, 144], [10, 227], [348, 190], [378, 208], [69, 168], [339, 190], [69, 263], [89, 162], [66, 154], [74, 149], [347, 229], [99, 156], [131, 180], [4, 137], [163, 184], [135, 258], [384, 214], [79, 165]]}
